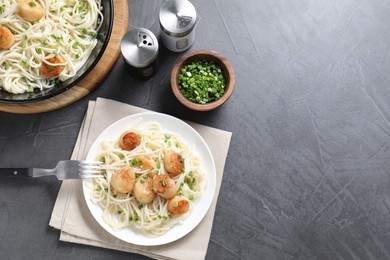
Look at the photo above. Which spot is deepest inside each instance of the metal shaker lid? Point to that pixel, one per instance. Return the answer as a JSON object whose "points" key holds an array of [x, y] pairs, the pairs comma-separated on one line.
{"points": [[139, 47], [177, 17]]}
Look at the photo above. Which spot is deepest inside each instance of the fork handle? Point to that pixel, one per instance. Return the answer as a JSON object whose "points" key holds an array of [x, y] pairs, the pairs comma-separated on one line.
{"points": [[16, 172]]}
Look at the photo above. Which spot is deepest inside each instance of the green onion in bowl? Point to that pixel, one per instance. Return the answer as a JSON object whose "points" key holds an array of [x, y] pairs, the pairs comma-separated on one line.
{"points": [[202, 81]]}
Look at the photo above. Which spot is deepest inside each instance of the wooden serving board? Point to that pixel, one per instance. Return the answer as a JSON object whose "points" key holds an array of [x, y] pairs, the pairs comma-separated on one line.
{"points": [[92, 80]]}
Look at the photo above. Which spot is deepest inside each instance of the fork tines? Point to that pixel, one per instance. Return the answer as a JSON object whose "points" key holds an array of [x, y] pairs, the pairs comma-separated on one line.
{"points": [[91, 169]]}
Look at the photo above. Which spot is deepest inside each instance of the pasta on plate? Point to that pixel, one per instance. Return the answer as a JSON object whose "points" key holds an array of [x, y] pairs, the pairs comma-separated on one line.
{"points": [[43, 42], [151, 179]]}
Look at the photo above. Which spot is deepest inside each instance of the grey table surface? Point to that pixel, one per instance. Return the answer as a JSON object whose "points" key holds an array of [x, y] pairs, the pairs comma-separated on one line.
{"points": [[307, 173]]}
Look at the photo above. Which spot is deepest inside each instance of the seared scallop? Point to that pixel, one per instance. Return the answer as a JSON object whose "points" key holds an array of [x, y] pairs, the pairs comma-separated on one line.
{"points": [[145, 163], [52, 67], [30, 10], [6, 38], [173, 163], [123, 180], [164, 186], [178, 205], [143, 190], [129, 140]]}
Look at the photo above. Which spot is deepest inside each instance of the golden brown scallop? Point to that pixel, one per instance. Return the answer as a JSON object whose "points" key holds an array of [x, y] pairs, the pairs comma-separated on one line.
{"points": [[123, 180], [52, 67], [173, 163], [178, 205], [129, 140], [164, 186], [6, 38], [145, 163], [30, 10], [143, 190]]}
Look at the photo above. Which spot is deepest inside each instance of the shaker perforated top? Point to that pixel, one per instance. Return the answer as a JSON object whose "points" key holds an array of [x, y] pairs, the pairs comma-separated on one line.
{"points": [[139, 47], [177, 17]]}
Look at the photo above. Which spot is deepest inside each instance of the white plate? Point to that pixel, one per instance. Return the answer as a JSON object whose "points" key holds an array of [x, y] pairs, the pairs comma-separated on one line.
{"points": [[201, 204]]}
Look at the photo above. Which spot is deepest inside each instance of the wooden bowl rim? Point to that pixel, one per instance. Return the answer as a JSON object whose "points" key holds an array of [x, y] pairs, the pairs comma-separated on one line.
{"points": [[200, 54]]}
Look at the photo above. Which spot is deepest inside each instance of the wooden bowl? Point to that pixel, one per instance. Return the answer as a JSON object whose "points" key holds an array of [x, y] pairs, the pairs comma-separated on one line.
{"points": [[211, 56]]}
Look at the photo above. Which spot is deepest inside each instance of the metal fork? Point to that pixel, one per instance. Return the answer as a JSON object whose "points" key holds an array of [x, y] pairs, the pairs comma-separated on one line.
{"points": [[67, 169]]}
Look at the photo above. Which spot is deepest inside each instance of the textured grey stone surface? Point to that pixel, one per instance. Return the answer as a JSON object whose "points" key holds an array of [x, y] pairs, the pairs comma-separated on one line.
{"points": [[307, 174]]}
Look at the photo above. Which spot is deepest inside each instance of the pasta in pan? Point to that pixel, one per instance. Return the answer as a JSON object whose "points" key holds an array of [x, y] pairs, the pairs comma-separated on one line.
{"points": [[43, 42], [151, 179]]}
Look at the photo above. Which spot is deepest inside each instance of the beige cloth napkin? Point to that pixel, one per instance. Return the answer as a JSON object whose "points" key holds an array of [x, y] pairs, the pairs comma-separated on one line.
{"points": [[71, 214]]}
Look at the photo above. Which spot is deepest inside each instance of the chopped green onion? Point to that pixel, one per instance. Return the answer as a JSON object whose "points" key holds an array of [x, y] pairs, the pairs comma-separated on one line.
{"points": [[202, 81], [56, 82], [133, 162]]}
